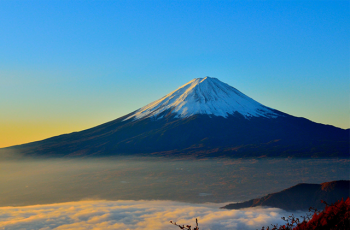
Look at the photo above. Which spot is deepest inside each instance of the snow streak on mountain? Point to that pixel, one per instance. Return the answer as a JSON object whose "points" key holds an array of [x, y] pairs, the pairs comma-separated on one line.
{"points": [[204, 96]]}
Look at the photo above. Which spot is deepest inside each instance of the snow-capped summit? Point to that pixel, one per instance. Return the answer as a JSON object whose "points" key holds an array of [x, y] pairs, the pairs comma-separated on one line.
{"points": [[204, 96]]}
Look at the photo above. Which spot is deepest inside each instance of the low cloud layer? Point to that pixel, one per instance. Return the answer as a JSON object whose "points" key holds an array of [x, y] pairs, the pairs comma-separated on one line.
{"points": [[134, 215]]}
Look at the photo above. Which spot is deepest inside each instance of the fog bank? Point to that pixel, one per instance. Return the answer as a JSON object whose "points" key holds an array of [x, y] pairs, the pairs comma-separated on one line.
{"points": [[136, 215]]}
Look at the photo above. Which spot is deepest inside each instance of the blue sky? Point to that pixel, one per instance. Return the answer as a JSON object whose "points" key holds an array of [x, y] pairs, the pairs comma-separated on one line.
{"points": [[70, 65]]}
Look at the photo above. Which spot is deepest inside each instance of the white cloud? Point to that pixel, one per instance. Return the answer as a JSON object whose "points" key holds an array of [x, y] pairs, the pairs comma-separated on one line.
{"points": [[134, 215]]}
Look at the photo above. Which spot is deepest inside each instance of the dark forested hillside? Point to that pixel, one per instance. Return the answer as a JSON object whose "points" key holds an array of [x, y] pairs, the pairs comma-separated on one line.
{"points": [[301, 196]]}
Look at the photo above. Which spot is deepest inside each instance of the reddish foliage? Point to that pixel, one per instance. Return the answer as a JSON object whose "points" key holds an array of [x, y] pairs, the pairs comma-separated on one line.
{"points": [[333, 217]]}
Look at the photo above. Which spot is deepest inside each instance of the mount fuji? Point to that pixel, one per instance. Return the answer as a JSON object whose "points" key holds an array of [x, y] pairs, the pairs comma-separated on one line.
{"points": [[203, 118]]}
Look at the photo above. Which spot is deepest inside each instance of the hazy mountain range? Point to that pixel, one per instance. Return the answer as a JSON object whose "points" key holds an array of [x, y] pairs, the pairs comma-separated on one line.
{"points": [[205, 118]]}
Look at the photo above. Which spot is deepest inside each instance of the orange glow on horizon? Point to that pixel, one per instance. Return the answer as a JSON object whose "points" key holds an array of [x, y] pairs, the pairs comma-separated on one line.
{"points": [[17, 133]]}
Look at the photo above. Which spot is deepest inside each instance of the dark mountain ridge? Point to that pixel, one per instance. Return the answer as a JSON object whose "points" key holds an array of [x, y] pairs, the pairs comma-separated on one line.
{"points": [[301, 196], [200, 135]]}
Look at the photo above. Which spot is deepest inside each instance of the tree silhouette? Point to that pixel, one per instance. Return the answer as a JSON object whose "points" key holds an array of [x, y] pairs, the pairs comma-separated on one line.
{"points": [[187, 227]]}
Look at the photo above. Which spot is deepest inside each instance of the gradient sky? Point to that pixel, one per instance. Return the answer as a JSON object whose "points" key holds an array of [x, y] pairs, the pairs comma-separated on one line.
{"points": [[69, 65]]}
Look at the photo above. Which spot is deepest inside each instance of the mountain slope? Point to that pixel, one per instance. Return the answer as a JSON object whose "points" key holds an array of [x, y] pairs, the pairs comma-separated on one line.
{"points": [[301, 196], [205, 117]]}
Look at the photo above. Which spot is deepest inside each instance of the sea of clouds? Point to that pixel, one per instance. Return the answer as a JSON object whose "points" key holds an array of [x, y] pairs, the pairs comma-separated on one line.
{"points": [[136, 215]]}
